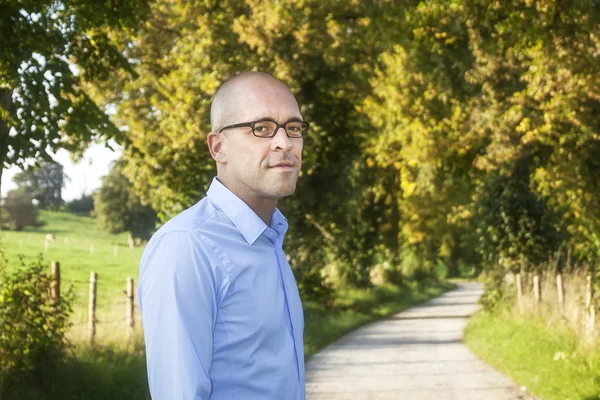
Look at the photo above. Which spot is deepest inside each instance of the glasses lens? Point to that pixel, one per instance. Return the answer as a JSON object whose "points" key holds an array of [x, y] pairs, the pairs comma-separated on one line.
{"points": [[296, 128], [264, 128]]}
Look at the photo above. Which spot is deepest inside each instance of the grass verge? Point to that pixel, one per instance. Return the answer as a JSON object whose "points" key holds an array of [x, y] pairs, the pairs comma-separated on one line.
{"points": [[113, 371], [548, 360], [355, 307]]}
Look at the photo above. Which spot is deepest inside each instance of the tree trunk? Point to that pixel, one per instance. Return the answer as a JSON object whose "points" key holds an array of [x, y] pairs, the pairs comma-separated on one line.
{"points": [[6, 111]]}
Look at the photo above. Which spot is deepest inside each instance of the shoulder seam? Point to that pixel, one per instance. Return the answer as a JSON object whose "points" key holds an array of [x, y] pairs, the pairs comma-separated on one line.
{"points": [[191, 231]]}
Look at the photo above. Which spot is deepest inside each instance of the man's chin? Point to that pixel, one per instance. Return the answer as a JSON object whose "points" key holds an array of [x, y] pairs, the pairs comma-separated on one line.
{"points": [[283, 191]]}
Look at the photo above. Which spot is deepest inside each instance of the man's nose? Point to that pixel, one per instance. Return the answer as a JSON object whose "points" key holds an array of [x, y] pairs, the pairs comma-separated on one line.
{"points": [[281, 140]]}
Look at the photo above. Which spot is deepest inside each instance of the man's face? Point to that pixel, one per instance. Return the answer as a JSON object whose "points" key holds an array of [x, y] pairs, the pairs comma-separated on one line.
{"points": [[263, 168]]}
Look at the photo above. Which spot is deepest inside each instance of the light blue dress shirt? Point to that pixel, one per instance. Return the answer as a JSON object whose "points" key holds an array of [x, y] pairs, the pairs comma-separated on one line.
{"points": [[220, 306]]}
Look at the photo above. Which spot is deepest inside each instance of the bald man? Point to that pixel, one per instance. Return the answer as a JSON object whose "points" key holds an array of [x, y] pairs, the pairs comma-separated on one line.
{"points": [[220, 306]]}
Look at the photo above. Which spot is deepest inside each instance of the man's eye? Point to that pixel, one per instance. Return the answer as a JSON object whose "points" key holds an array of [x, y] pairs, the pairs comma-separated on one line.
{"points": [[294, 128]]}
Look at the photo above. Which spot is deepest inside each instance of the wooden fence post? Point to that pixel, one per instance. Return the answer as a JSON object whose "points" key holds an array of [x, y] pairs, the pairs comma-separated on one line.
{"points": [[55, 286], [130, 308], [561, 293], [92, 307], [590, 311], [588, 292], [537, 291], [519, 292]]}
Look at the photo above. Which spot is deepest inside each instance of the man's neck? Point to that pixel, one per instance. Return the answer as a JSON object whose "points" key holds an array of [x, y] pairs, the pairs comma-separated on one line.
{"points": [[263, 207]]}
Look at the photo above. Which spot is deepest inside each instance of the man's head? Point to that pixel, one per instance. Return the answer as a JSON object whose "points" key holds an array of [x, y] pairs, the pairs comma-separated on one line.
{"points": [[255, 168]]}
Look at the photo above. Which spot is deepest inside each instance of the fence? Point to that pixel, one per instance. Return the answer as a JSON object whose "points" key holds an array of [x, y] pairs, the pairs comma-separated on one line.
{"points": [[130, 309], [567, 296]]}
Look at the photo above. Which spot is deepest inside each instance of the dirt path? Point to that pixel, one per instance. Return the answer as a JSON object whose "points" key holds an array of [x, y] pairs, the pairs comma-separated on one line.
{"points": [[416, 354]]}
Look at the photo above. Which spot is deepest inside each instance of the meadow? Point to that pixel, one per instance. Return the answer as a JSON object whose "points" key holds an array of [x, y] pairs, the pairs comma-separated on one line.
{"points": [[81, 247]]}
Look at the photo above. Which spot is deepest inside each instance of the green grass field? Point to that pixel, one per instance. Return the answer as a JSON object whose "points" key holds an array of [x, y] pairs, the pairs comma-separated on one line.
{"points": [[75, 237], [547, 360], [80, 247]]}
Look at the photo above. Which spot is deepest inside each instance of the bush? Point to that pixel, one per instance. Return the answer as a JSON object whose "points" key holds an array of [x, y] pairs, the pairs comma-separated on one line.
{"points": [[19, 210], [83, 205], [494, 289], [32, 328]]}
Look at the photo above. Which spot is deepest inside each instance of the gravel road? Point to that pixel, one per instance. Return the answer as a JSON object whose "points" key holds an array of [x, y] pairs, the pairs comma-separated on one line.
{"points": [[416, 354]]}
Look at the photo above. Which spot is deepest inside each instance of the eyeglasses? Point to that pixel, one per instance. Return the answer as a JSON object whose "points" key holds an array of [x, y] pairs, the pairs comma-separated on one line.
{"points": [[267, 128]]}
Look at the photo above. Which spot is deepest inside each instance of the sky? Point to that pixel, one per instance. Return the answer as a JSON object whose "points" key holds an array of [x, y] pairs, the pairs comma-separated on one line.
{"points": [[84, 177]]}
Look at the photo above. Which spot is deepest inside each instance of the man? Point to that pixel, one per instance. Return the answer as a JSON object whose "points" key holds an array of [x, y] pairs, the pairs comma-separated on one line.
{"points": [[220, 307]]}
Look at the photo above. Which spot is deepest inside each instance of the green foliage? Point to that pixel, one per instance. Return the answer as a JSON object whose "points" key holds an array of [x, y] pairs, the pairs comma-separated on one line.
{"points": [[20, 211], [118, 209], [494, 290], [32, 326], [99, 373], [83, 205], [515, 225], [166, 112], [50, 50], [435, 128], [44, 183], [483, 128]]}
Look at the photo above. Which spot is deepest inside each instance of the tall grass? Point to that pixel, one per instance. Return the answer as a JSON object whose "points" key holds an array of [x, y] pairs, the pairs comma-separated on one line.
{"points": [[573, 316]]}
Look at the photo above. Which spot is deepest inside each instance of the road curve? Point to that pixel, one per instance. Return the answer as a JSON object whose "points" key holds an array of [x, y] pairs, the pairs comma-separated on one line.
{"points": [[413, 355]]}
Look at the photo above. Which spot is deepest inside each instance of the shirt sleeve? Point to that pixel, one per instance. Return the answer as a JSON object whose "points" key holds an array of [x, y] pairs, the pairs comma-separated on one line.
{"points": [[178, 300]]}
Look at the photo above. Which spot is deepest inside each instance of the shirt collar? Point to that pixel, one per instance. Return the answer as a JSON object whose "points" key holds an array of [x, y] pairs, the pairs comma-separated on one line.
{"points": [[278, 222], [242, 216]]}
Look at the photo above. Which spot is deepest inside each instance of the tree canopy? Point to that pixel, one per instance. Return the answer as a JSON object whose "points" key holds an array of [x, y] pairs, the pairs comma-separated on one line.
{"points": [[50, 49], [446, 132], [118, 209], [456, 132], [44, 183]]}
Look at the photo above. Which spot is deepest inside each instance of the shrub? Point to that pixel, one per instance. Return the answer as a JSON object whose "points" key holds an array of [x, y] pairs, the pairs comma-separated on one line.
{"points": [[32, 327], [494, 289], [19, 210], [84, 205]]}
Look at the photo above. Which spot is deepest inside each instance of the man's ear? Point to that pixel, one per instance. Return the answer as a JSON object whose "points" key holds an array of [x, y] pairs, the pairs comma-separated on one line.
{"points": [[216, 146]]}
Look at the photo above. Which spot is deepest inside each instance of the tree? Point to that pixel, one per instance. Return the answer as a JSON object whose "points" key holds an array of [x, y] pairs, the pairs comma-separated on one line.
{"points": [[186, 50], [50, 49], [82, 205], [19, 209], [416, 109], [118, 209], [493, 129], [44, 183]]}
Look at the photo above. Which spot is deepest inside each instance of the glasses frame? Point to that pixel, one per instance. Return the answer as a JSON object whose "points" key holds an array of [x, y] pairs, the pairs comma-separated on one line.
{"points": [[277, 126]]}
